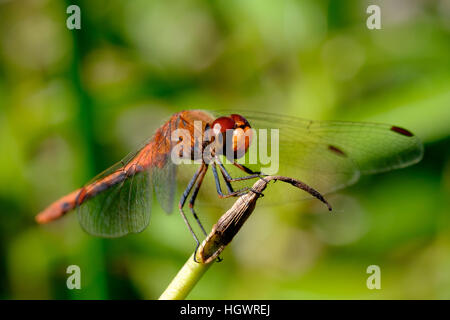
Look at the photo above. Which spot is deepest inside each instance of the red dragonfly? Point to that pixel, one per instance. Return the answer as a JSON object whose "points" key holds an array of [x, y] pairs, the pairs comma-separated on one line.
{"points": [[326, 155]]}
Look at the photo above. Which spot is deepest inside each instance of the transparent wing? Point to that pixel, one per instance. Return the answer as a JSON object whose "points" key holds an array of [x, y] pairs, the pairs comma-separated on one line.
{"points": [[122, 209], [118, 203], [119, 199], [163, 172], [164, 182], [329, 155]]}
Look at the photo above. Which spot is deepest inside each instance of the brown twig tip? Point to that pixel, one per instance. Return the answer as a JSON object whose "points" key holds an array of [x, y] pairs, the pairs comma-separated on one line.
{"points": [[221, 235], [231, 222], [301, 185]]}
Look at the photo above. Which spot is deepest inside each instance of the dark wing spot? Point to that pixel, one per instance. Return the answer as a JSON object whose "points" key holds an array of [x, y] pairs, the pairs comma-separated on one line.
{"points": [[401, 131], [337, 150]]}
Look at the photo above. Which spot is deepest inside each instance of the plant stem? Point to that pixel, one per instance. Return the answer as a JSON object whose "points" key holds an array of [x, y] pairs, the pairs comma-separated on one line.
{"points": [[185, 280], [221, 235]]}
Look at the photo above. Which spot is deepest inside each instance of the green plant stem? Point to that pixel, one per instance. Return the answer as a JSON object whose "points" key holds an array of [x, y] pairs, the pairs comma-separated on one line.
{"points": [[185, 280], [221, 235]]}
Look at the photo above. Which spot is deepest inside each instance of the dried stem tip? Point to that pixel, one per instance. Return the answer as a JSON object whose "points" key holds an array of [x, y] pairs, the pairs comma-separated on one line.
{"points": [[231, 222]]}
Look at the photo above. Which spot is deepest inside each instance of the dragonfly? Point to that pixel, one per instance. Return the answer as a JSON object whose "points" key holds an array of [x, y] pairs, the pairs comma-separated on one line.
{"points": [[325, 155]]}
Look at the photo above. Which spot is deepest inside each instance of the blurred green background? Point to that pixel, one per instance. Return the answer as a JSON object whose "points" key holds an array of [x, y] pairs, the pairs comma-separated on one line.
{"points": [[73, 103]]}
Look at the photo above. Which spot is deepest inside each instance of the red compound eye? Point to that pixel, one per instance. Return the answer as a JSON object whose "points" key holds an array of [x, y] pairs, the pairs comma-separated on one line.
{"points": [[224, 123], [241, 135], [240, 121]]}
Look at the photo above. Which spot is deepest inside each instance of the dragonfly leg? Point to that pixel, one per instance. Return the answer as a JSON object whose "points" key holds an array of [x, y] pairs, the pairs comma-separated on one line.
{"points": [[247, 170], [194, 196], [250, 171], [219, 188], [183, 201], [252, 174], [228, 179]]}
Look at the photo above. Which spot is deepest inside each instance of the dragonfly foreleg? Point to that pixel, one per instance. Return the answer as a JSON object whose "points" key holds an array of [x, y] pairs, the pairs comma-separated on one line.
{"points": [[194, 196], [183, 201], [228, 177], [237, 193], [247, 170]]}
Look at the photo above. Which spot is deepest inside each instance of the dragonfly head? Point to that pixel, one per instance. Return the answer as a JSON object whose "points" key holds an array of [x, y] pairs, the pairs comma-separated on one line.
{"points": [[235, 135]]}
